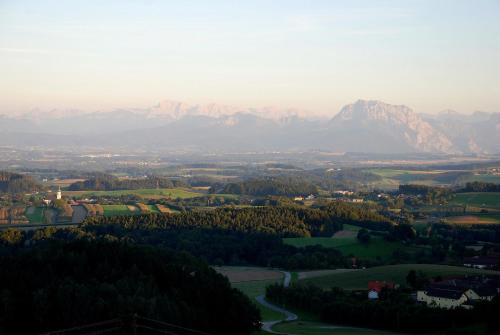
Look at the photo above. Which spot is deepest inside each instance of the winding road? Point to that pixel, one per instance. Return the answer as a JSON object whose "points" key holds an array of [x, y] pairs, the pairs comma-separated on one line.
{"points": [[289, 316]]}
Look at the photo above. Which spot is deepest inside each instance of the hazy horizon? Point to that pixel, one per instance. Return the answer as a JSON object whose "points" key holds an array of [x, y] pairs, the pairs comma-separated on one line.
{"points": [[94, 56]]}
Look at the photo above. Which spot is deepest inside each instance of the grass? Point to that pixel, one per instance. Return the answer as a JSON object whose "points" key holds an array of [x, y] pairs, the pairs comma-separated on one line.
{"points": [[350, 227], [114, 210], [478, 199], [35, 215], [153, 209], [145, 193], [358, 280], [320, 328], [255, 288], [377, 248]]}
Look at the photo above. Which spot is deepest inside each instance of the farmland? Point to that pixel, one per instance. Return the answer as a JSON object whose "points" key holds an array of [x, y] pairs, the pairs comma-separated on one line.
{"points": [[113, 210], [35, 214], [357, 280], [474, 219]]}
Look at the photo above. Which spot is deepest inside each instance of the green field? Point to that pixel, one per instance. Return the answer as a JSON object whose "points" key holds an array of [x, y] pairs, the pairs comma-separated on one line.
{"points": [[35, 214], [476, 199], [255, 288], [319, 328], [114, 210], [376, 248], [358, 280], [153, 209], [144, 193]]}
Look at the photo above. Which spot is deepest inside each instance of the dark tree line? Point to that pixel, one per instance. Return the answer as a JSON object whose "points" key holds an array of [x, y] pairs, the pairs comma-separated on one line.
{"points": [[428, 194], [285, 186], [478, 186], [105, 182], [282, 221], [55, 285], [17, 183]]}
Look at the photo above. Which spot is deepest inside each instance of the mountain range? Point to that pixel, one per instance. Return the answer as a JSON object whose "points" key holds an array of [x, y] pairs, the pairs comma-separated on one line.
{"points": [[363, 126]]}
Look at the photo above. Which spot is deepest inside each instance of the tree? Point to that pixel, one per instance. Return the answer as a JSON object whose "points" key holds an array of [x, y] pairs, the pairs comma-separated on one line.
{"points": [[364, 236]]}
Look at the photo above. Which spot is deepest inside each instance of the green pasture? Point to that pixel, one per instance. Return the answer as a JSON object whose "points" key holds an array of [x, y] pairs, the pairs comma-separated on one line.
{"points": [[35, 214], [376, 248]]}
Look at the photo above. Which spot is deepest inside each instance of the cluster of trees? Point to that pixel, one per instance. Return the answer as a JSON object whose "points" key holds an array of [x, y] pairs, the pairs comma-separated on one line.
{"points": [[285, 221], [478, 186], [466, 234], [215, 246], [56, 285], [285, 186], [428, 194], [106, 182], [361, 216], [17, 183], [11, 215], [394, 310], [282, 221]]}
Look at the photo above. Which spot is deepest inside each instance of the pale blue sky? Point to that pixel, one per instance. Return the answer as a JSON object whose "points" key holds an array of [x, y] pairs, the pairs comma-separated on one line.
{"points": [[318, 55]]}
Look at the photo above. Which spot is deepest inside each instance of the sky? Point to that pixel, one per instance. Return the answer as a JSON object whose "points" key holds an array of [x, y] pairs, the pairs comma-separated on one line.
{"points": [[314, 55]]}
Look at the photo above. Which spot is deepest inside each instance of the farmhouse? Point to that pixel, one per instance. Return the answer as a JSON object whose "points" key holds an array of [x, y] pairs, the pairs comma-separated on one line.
{"points": [[482, 262], [375, 287], [445, 297], [461, 292]]}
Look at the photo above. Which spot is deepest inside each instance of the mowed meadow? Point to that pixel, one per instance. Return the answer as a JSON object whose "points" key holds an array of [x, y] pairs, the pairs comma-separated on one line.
{"points": [[347, 243]]}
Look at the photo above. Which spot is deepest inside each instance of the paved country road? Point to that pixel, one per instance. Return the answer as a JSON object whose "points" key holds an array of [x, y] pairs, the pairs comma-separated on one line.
{"points": [[289, 316]]}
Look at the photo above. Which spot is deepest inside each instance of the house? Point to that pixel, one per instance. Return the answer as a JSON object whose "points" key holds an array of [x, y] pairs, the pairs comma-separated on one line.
{"points": [[343, 192], [445, 297], [460, 292], [376, 286], [482, 262]]}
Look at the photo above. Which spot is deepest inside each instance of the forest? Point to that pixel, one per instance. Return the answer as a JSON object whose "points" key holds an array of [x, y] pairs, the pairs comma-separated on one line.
{"points": [[285, 221], [478, 186], [55, 285], [105, 182], [17, 183], [286, 186]]}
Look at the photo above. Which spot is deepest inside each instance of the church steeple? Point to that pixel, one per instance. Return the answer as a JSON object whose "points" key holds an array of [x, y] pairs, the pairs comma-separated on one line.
{"points": [[59, 194]]}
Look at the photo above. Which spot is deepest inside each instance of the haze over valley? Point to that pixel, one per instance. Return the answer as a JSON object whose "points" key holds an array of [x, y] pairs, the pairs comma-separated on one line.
{"points": [[364, 126]]}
